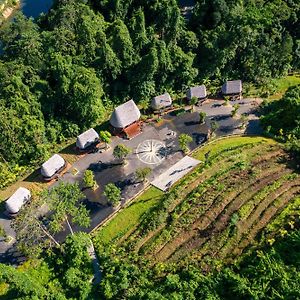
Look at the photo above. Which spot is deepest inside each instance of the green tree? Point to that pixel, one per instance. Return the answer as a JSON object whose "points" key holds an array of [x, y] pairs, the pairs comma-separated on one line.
{"points": [[76, 264], [105, 136], [121, 43], [202, 116], [235, 110], [226, 100], [63, 201], [214, 126], [121, 152], [138, 29], [193, 102], [142, 173], [79, 91], [244, 120], [32, 234], [89, 179], [112, 193], [184, 140]]}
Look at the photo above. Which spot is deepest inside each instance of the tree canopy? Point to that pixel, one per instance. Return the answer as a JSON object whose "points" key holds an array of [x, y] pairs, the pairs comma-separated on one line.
{"points": [[61, 73]]}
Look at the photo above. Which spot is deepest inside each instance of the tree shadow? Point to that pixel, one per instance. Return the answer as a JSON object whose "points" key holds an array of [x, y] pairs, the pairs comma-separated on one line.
{"points": [[35, 176], [71, 149], [199, 138], [220, 118], [100, 166], [191, 123], [103, 126]]}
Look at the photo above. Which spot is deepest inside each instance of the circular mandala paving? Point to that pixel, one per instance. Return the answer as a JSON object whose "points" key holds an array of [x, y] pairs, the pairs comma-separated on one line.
{"points": [[151, 152]]}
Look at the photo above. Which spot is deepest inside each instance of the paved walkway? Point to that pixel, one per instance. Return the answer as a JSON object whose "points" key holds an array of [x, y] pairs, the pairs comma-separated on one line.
{"points": [[96, 266], [167, 132], [167, 179]]}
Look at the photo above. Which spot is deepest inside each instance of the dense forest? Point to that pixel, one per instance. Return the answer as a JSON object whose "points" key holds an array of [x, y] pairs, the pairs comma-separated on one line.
{"points": [[271, 273], [287, 110], [62, 73], [65, 72]]}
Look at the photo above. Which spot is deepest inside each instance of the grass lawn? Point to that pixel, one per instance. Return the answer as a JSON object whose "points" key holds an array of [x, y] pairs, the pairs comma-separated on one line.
{"points": [[227, 143], [279, 87], [128, 217], [33, 179], [283, 84]]}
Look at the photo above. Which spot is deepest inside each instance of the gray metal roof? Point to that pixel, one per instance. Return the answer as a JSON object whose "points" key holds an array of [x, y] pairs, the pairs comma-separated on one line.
{"points": [[196, 91], [87, 138], [125, 114], [52, 165], [161, 101], [232, 87], [16, 201]]}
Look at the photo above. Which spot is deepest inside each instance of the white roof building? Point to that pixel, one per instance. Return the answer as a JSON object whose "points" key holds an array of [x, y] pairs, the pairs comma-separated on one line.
{"points": [[125, 114], [87, 138], [161, 101], [197, 91], [17, 200], [53, 165]]}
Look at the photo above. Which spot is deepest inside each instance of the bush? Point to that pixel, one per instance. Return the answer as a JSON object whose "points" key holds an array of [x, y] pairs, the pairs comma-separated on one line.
{"points": [[113, 194], [88, 179]]}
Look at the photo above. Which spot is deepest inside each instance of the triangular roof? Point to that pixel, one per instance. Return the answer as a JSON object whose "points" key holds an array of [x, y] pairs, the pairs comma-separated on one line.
{"points": [[125, 114]]}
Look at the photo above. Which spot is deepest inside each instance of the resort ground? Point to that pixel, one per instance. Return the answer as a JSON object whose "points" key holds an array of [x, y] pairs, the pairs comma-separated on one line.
{"points": [[165, 132]]}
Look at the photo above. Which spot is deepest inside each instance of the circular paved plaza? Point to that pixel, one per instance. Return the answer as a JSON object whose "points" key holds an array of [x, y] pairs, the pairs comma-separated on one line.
{"points": [[151, 151]]}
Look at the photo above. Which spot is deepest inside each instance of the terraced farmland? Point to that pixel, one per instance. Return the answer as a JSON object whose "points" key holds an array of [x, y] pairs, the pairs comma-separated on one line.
{"points": [[218, 210]]}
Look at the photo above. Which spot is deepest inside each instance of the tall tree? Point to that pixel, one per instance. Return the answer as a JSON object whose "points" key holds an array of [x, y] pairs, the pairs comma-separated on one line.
{"points": [[184, 140], [112, 193], [32, 234], [63, 201], [121, 152]]}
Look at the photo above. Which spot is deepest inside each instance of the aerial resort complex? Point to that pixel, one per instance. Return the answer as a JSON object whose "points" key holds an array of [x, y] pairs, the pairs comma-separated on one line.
{"points": [[150, 150]]}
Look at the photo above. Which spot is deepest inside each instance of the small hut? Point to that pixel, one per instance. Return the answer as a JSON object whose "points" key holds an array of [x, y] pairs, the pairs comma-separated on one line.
{"points": [[233, 89], [17, 200], [198, 92], [52, 167], [87, 139], [161, 102], [125, 120]]}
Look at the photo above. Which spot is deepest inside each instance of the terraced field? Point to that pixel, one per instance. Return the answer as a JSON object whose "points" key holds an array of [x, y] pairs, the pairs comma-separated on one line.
{"points": [[243, 186]]}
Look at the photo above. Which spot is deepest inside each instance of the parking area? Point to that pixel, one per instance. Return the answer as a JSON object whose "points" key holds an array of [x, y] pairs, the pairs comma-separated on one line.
{"points": [[156, 147]]}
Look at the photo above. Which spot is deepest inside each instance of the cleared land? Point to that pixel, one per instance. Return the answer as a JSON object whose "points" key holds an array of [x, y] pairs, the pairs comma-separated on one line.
{"points": [[217, 210]]}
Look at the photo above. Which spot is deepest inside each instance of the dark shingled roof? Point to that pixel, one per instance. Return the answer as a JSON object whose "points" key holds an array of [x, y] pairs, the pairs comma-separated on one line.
{"points": [[125, 114], [232, 87], [196, 91]]}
